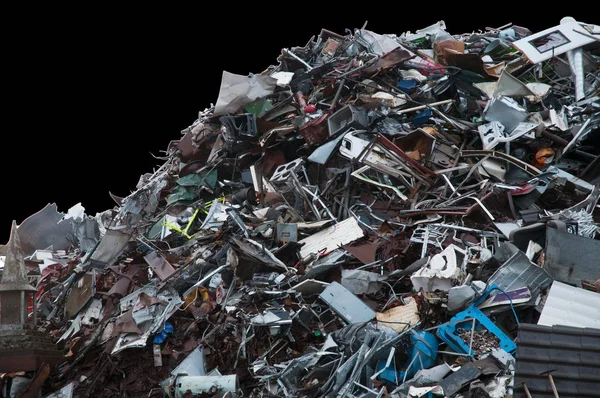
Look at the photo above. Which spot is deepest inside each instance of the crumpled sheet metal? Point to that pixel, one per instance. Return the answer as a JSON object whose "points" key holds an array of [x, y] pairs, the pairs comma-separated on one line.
{"points": [[168, 303], [237, 91], [111, 246], [44, 229], [361, 282]]}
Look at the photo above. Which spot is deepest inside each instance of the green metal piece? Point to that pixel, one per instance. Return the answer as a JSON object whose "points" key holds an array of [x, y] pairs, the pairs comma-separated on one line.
{"points": [[181, 194]]}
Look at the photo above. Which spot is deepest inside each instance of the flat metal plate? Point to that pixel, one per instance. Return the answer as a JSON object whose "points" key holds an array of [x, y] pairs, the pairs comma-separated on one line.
{"points": [[571, 258], [345, 304]]}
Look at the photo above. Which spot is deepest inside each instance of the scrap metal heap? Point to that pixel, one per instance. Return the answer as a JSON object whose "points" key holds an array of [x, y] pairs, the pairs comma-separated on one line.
{"points": [[375, 216]]}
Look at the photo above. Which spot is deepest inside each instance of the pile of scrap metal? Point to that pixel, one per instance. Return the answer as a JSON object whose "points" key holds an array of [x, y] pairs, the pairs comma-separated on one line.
{"points": [[377, 215]]}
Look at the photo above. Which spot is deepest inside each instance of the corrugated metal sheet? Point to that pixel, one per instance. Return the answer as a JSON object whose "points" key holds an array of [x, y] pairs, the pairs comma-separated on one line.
{"points": [[519, 272], [573, 354], [571, 306]]}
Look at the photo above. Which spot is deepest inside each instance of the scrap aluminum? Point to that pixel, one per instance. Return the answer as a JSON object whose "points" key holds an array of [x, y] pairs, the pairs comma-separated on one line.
{"points": [[373, 216]]}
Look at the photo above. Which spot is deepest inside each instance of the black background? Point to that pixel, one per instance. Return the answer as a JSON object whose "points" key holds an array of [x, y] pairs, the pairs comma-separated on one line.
{"points": [[90, 93]]}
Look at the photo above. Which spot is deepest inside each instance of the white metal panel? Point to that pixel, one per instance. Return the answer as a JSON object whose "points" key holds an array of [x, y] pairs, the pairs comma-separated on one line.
{"points": [[331, 238], [571, 306], [554, 41]]}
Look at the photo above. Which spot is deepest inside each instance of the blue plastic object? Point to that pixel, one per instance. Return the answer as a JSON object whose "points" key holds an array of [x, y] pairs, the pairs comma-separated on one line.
{"points": [[422, 355], [162, 335], [422, 117], [448, 332], [406, 85]]}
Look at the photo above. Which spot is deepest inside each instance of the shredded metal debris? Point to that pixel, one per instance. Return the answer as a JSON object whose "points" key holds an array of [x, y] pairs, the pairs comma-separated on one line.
{"points": [[374, 216]]}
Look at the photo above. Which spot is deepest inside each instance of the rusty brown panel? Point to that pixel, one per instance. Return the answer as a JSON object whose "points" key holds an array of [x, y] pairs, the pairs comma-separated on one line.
{"points": [[36, 382], [159, 265], [27, 360]]}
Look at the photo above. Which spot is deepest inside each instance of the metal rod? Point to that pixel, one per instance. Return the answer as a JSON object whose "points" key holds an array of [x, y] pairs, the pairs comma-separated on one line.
{"points": [[341, 86], [564, 143], [472, 334], [317, 198], [586, 34], [577, 136], [551, 379], [409, 366], [387, 363], [483, 207], [298, 188], [448, 323], [418, 108], [526, 390], [451, 169], [450, 184], [363, 66], [425, 241], [464, 229], [458, 354], [303, 62]]}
